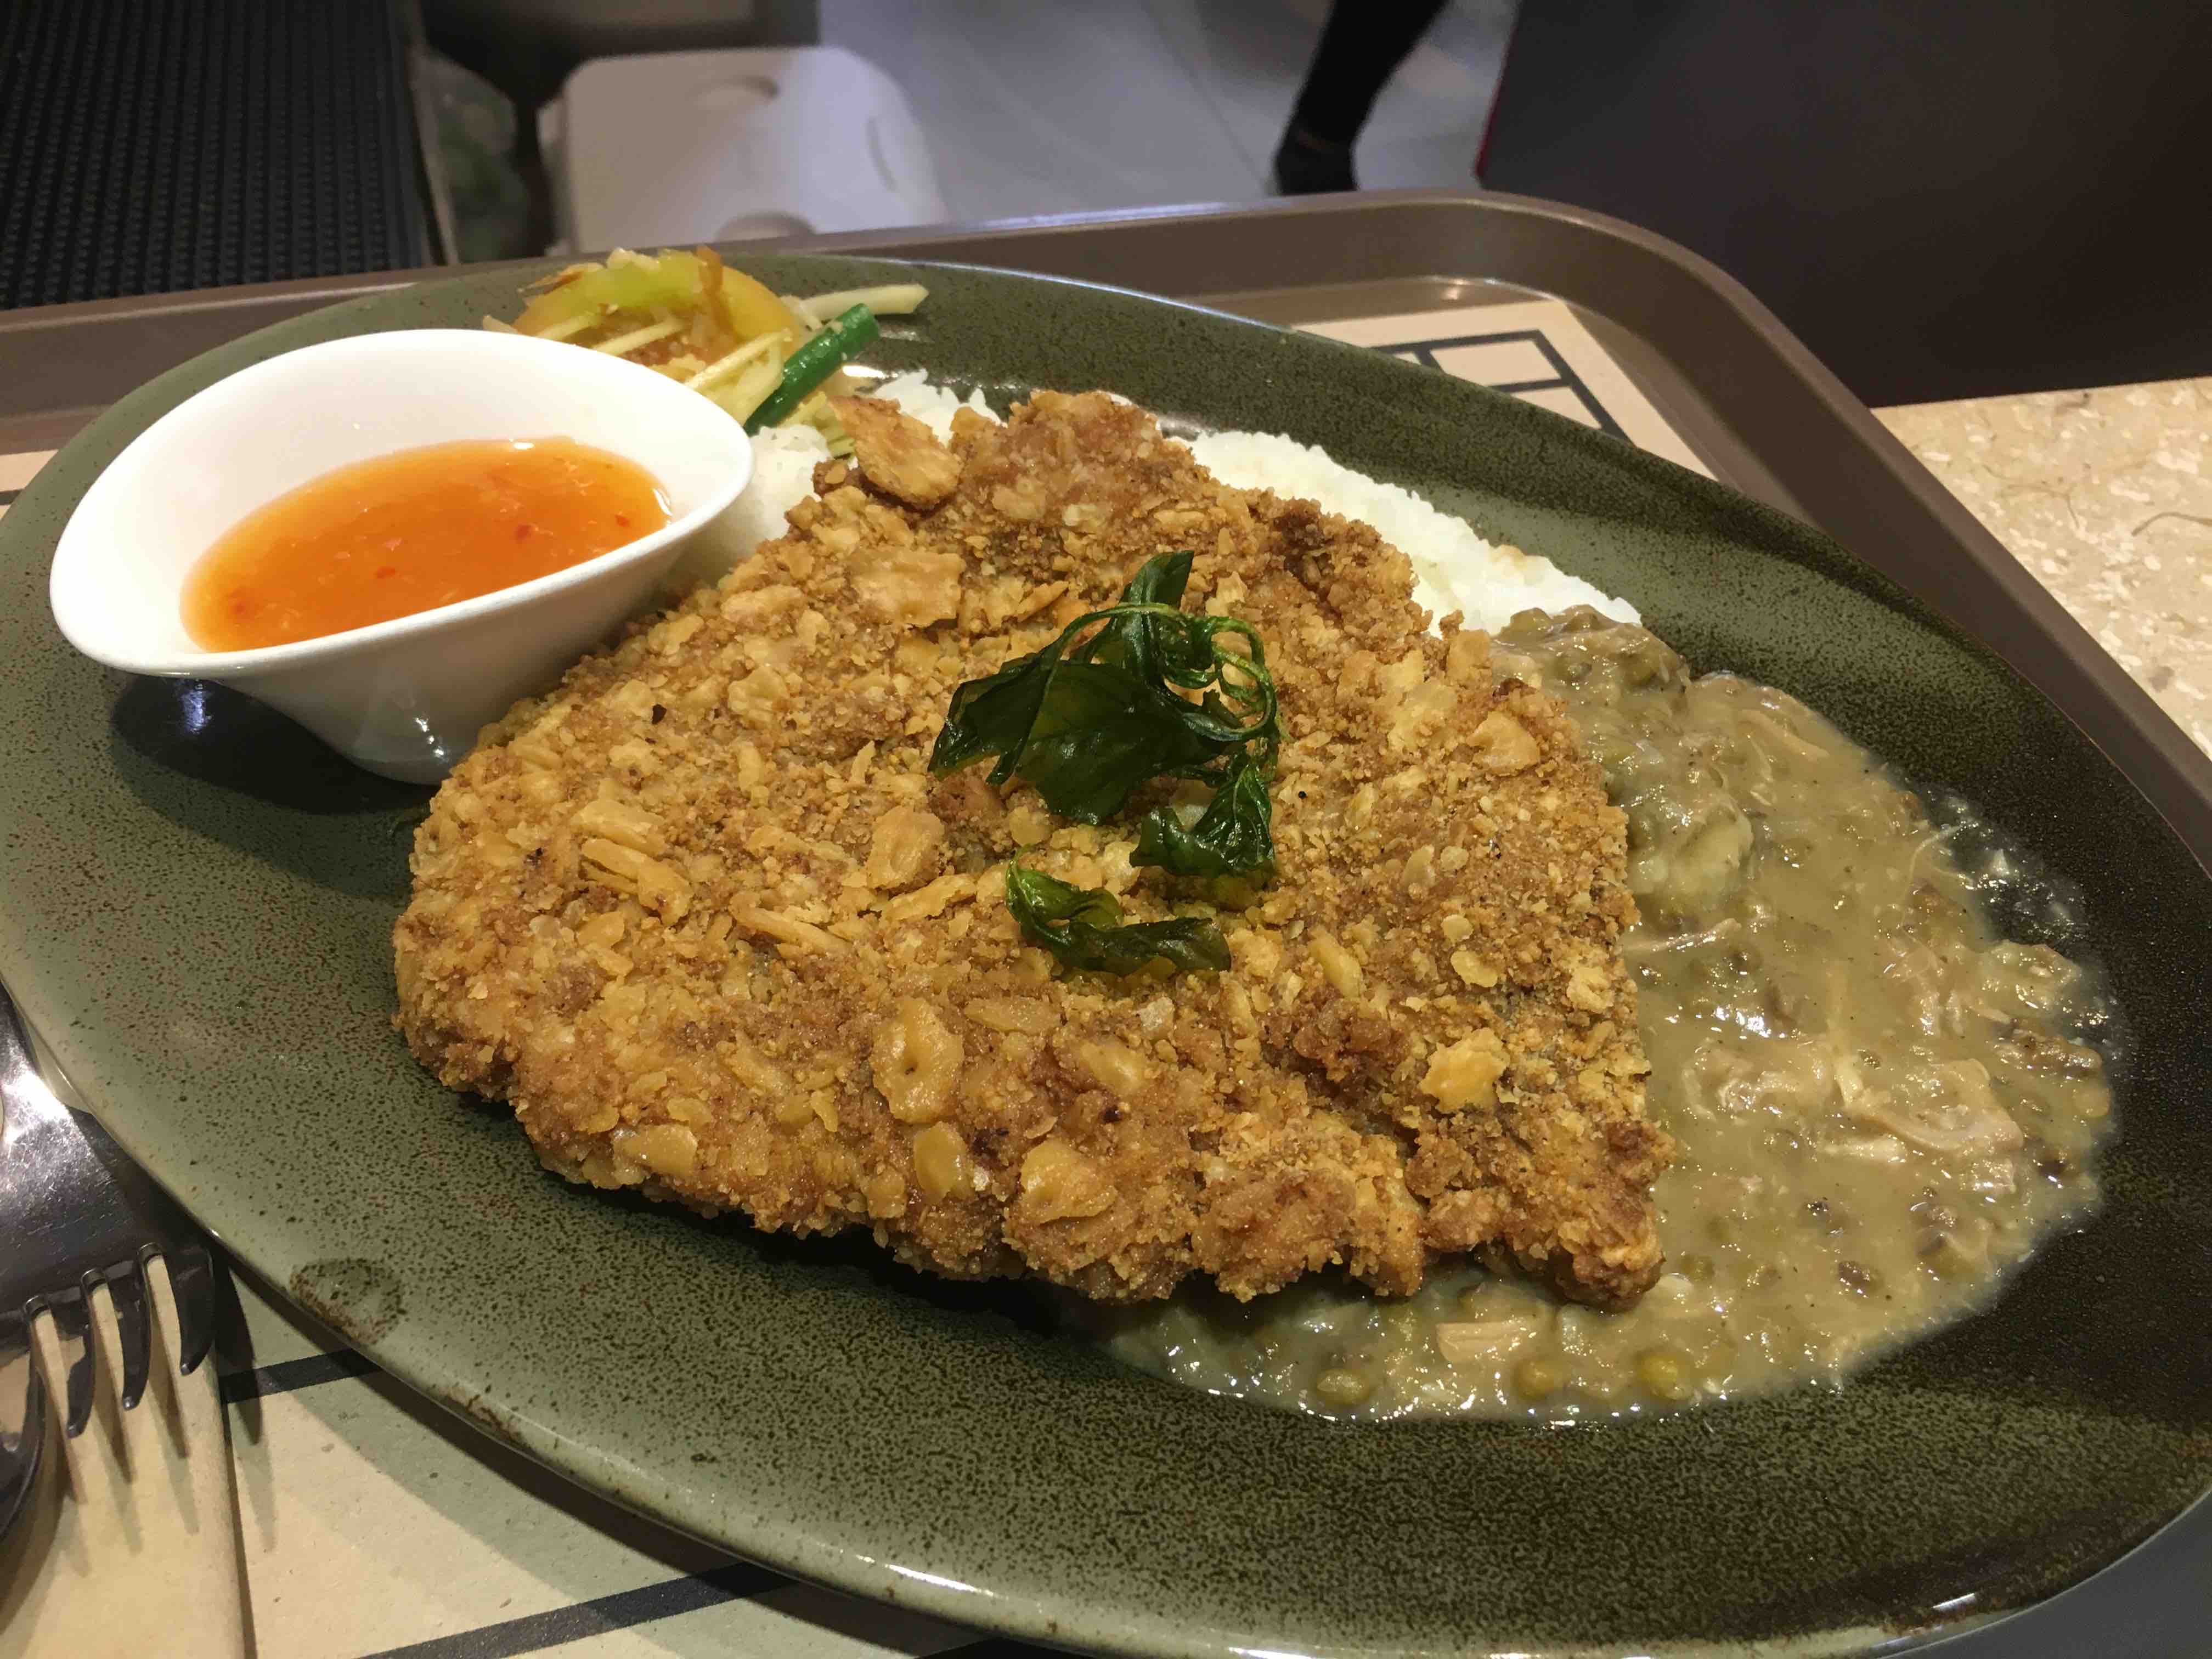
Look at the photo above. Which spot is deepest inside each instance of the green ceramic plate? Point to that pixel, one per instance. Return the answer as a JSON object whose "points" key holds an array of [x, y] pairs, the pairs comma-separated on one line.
{"points": [[197, 908]]}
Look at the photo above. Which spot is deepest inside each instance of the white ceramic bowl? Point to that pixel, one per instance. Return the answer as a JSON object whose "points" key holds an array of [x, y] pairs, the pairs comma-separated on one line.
{"points": [[407, 697]]}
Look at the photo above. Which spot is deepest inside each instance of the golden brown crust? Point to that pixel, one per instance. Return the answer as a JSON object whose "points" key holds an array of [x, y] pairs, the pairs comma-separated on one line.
{"points": [[901, 457], [703, 916]]}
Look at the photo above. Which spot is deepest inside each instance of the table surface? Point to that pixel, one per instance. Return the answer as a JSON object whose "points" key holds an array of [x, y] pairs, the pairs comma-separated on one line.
{"points": [[372, 1524], [2106, 496]]}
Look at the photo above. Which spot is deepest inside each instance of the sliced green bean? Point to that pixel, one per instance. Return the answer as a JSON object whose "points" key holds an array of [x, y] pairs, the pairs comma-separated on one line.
{"points": [[823, 356]]}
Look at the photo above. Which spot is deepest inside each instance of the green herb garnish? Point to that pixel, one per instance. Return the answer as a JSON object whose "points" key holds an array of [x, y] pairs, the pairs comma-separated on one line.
{"points": [[1083, 926], [1231, 837], [1085, 724], [1106, 707]]}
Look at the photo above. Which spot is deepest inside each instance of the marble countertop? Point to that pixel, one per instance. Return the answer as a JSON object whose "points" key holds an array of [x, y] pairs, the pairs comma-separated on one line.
{"points": [[2106, 496]]}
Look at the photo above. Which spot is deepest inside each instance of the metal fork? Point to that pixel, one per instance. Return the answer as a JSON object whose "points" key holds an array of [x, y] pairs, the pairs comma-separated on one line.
{"points": [[75, 1214]]}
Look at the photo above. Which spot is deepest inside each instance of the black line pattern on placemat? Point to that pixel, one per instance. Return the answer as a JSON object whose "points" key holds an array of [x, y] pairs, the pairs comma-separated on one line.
{"points": [[557, 1626], [290, 1374], [534, 1632], [1564, 378]]}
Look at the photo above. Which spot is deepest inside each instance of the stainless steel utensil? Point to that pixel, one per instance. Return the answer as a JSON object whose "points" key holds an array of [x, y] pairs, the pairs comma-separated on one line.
{"points": [[75, 1214]]}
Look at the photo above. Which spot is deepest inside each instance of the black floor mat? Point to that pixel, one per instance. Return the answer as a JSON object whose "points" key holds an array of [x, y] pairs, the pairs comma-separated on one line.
{"points": [[148, 145]]}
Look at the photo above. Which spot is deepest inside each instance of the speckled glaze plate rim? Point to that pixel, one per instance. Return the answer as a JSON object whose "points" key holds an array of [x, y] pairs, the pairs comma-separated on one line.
{"points": [[1114, 1621]]}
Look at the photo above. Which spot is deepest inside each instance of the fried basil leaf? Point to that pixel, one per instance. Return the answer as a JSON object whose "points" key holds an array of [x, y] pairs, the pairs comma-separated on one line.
{"points": [[1099, 733], [1105, 708], [1132, 640], [993, 716], [1232, 837], [1082, 926]]}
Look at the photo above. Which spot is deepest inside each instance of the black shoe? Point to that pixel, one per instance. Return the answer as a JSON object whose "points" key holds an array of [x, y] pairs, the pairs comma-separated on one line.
{"points": [[1309, 166]]}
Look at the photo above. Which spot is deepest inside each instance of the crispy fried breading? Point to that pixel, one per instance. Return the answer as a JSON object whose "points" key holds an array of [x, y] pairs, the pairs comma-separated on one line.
{"points": [[900, 456], [703, 917]]}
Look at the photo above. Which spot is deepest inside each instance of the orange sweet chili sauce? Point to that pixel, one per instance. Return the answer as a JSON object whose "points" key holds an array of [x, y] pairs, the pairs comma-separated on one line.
{"points": [[412, 531]]}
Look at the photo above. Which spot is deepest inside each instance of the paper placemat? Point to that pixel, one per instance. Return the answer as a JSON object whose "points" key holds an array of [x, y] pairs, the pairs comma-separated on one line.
{"points": [[1538, 350], [374, 1523]]}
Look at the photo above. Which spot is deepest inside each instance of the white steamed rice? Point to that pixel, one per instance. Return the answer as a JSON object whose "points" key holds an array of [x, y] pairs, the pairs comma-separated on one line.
{"points": [[1453, 569]]}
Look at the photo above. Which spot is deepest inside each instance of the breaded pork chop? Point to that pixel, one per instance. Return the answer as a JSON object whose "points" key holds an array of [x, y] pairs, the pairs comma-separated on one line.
{"points": [[704, 918]]}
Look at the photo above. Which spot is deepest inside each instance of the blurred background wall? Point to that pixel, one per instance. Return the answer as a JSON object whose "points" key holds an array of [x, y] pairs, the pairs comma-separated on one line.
{"points": [[1942, 199]]}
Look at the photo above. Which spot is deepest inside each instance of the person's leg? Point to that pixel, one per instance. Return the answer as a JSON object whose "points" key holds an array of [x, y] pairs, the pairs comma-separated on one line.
{"points": [[1360, 49]]}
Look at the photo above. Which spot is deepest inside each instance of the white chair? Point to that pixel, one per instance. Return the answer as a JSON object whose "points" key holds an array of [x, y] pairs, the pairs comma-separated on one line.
{"points": [[676, 148]]}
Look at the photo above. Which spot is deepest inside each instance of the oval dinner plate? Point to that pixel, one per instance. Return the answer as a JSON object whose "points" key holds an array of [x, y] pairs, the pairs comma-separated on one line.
{"points": [[196, 910]]}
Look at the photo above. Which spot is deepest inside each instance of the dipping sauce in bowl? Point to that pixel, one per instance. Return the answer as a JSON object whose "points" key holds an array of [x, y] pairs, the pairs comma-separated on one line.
{"points": [[410, 532], [401, 685]]}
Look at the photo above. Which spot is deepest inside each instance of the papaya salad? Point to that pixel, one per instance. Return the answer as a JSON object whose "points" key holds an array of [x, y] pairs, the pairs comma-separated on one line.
{"points": [[770, 359]]}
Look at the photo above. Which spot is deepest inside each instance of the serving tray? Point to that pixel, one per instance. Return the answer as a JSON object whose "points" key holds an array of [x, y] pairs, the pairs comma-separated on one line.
{"points": [[1889, 696]]}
